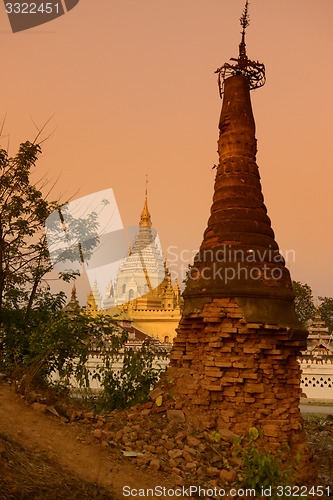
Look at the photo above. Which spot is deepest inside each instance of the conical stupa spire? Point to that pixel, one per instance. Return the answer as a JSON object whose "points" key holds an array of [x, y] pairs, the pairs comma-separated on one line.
{"points": [[145, 219], [239, 256], [73, 294], [73, 305]]}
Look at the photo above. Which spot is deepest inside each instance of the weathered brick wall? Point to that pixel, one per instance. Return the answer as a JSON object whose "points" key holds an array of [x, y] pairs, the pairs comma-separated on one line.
{"points": [[234, 375]]}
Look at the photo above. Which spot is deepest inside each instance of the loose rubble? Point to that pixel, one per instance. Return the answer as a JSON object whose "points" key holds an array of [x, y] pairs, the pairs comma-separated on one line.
{"points": [[162, 440]]}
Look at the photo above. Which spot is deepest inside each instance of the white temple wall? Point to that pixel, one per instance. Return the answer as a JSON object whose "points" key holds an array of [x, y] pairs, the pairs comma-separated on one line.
{"points": [[317, 379]]}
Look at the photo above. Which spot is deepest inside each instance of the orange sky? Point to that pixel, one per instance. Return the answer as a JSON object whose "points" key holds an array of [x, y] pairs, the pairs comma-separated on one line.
{"points": [[130, 87]]}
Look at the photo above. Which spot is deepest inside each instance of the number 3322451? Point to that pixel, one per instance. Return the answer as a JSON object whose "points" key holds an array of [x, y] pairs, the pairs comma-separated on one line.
{"points": [[32, 8]]}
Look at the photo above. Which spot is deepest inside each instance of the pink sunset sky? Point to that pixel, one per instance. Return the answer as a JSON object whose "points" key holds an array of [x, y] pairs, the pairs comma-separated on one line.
{"points": [[130, 88]]}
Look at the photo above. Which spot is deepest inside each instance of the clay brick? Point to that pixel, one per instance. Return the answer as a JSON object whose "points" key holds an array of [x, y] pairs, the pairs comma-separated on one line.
{"points": [[192, 441], [214, 338], [254, 388], [239, 365], [295, 381], [226, 419], [212, 319], [227, 435], [213, 373], [228, 475], [189, 356], [232, 380], [255, 326], [209, 363], [271, 430], [223, 364], [228, 329], [266, 347], [212, 387], [250, 376], [251, 350], [200, 401], [229, 391]]}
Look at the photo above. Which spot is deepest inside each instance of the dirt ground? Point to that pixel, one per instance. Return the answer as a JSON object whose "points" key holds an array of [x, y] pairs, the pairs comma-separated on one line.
{"points": [[42, 457]]}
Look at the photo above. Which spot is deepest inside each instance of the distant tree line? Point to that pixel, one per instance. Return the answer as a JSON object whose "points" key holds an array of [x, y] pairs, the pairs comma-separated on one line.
{"points": [[305, 305]]}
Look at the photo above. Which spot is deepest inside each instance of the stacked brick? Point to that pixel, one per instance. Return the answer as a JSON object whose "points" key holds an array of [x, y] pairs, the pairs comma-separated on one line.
{"points": [[232, 374], [230, 363]]}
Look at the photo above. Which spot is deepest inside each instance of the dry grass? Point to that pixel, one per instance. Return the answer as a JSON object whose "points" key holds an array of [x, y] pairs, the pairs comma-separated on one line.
{"points": [[31, 476]]}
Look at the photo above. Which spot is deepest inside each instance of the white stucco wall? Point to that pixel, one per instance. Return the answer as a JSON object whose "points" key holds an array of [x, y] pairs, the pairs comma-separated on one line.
{"points": [[317, 379]]}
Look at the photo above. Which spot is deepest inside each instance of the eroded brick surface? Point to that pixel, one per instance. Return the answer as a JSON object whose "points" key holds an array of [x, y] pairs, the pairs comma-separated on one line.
{"points": [[234, 375]]}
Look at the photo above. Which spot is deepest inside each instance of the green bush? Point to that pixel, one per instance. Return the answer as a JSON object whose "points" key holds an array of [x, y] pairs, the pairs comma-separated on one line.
{"points": [[133, 382], [262, 469], [54, 351]]}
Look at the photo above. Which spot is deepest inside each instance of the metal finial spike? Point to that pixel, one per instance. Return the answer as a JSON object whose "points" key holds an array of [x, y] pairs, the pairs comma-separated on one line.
{"points": [[244, 22], [245, 19], [146, 185], [254, 71]]}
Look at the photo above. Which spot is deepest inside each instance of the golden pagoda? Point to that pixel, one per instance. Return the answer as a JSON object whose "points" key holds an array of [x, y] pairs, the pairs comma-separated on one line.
{"points": [[143, 292]]}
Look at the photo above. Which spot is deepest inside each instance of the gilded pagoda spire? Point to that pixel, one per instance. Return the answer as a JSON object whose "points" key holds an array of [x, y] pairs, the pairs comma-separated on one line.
{"points": [[73, 294], [145, 219], [73, 305]]}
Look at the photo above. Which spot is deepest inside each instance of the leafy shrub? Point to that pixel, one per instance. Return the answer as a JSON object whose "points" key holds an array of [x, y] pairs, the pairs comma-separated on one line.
{"points": [[262, 469], [55, 351], [133, 382]]}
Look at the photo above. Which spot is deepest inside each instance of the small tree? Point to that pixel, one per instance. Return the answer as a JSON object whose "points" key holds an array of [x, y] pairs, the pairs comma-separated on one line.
{"points": [[304, 304], [24, 252], [23, 212], [326, 311]]}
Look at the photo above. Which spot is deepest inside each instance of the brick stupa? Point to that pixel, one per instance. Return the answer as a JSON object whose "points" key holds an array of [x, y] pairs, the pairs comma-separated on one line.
{"points": [[234, 360]]}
